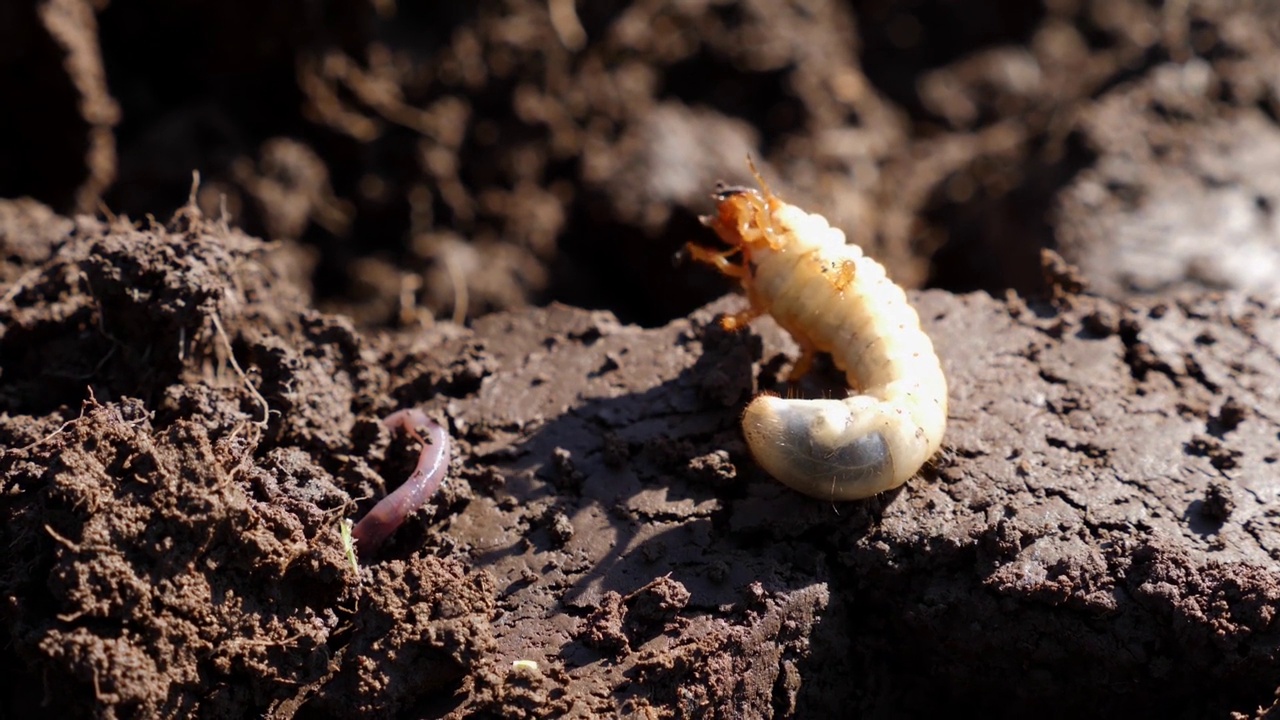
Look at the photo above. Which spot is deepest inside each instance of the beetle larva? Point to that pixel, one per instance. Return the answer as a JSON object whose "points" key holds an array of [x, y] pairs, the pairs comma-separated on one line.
{"points": [[832, 299]]}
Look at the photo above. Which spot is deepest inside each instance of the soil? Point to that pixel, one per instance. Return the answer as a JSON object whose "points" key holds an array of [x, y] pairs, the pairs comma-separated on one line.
{"points": [[472, 208]]}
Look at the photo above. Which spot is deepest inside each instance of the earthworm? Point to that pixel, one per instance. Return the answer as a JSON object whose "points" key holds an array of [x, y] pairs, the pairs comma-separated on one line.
{"points": [[433, 461], [831, 298]]}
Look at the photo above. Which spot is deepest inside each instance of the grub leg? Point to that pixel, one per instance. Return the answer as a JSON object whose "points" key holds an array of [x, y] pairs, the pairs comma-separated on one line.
{"points": [[803, 363], [739, 320], [717, 259]]}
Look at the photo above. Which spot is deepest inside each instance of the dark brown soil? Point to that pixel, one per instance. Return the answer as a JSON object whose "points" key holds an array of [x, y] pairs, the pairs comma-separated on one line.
{"points": [[473, 207]]}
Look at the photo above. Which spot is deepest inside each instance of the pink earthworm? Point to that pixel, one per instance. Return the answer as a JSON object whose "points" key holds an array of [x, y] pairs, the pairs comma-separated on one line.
{"points": [[433, 461]]}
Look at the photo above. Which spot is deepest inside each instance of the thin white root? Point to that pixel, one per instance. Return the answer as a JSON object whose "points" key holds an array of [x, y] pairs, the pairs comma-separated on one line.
{"points": [[461, 294], [231, 357]]}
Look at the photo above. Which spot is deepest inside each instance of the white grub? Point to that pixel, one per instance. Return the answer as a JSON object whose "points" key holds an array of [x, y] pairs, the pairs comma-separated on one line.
{"points": [[832, 299]]}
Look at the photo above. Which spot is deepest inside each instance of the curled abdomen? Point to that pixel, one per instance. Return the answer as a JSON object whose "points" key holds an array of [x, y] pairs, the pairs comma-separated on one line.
{"points": [[810, 446]]}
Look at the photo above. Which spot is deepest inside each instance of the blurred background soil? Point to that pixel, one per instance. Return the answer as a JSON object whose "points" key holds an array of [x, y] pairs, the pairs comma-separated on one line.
{"points": [[537, 151], [435, 161]]}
